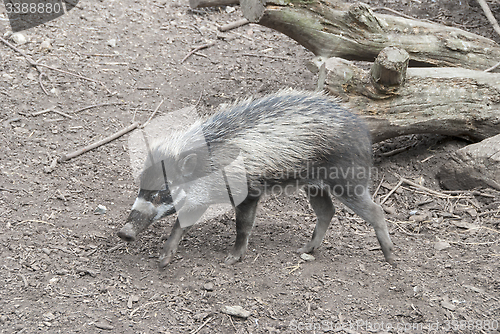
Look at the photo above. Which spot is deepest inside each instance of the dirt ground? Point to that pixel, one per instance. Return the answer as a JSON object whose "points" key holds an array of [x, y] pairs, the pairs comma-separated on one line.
{"points": [[64, 270]]}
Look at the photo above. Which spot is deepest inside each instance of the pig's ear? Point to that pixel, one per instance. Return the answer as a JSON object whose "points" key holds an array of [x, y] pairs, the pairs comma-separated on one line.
{"points": [[187, 164]]}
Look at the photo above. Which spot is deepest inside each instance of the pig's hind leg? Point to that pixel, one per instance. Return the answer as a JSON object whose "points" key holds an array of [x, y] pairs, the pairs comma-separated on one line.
{"points": [[245, 217], [322, 205], [367, 209]]}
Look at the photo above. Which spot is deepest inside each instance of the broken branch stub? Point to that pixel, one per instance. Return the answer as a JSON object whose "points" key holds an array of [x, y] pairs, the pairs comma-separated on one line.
{"points": [[330, 29], [448, 101]]}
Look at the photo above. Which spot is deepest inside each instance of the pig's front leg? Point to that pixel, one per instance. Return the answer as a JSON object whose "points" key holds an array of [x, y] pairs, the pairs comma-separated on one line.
{"points": [[186, 219]]}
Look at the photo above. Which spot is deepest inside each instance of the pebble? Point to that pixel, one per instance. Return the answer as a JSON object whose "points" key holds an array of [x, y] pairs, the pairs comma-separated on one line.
{"points": [[103, 325], [418, 218], [18, 38], [112, 42], [45, 45], [447, 305], [441, 245], [208, 286], [49, 316], [390, 210], [46, 251], [100, 210], [132, 299], [237, 311], [307, 257]]}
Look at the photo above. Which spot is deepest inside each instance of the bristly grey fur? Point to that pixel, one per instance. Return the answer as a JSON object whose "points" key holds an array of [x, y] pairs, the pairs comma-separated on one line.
{"points": [[279, 132]]}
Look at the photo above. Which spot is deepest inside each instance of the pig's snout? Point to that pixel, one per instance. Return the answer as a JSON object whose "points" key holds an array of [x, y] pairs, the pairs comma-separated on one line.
{"points": [[128, 233]]}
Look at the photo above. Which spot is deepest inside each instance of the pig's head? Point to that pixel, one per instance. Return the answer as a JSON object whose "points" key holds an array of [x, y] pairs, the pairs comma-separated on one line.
{"points": [[162, 192]]}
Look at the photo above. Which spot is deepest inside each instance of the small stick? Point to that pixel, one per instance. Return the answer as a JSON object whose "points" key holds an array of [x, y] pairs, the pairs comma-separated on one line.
{"points": [[202, 325], [391, 192], [42, 74], [112, 249], [43, 111], [264, 56], [76, 75], [62, 114], [378, 187], [49, 110], [7, 189], [98, 105], [30, 61], [492, 67], [489, 15], [99, 143], [198, 48], [233, 25], [416, 185], [35, 221], [143, 306], [152, 115], [396, 151]]}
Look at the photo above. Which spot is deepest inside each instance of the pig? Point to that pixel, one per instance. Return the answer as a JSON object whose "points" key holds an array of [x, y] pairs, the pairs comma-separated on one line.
{"points": [[281, 142]]}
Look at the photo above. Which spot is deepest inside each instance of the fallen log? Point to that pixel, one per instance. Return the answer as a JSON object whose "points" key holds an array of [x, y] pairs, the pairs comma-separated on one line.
{"points": [[329, 29], [211, 3], [473, 166], [396, 100]]}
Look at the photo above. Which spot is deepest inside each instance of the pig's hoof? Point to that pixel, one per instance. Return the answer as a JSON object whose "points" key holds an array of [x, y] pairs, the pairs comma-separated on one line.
{"points": [[306, 249], [165, 259], [232, 259], [127, 233], [391, 260]]}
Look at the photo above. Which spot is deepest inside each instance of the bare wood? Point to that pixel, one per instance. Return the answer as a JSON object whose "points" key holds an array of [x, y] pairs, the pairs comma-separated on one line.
{"points": [[99, 143], [233, 25], [448, 101], [389, 69], [212, 3], [330, 29]]}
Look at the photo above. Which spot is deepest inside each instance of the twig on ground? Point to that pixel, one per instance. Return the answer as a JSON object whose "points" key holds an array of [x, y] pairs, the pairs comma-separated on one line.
{"points": [[143, 306], [233, 25], [378, 187], [34, 221], [112, 249], [53, 110], [492, 67], [30, 61], [202, 325], [391, 192], [99, 105], [77, 75], [264, 56], [99, 143], [198, 48], [152, 115], [396, 151], [416, 185]]}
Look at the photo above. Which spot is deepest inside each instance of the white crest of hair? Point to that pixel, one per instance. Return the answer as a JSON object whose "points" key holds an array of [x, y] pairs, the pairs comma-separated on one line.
{"points": [[144, 206], [277, 132]]}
